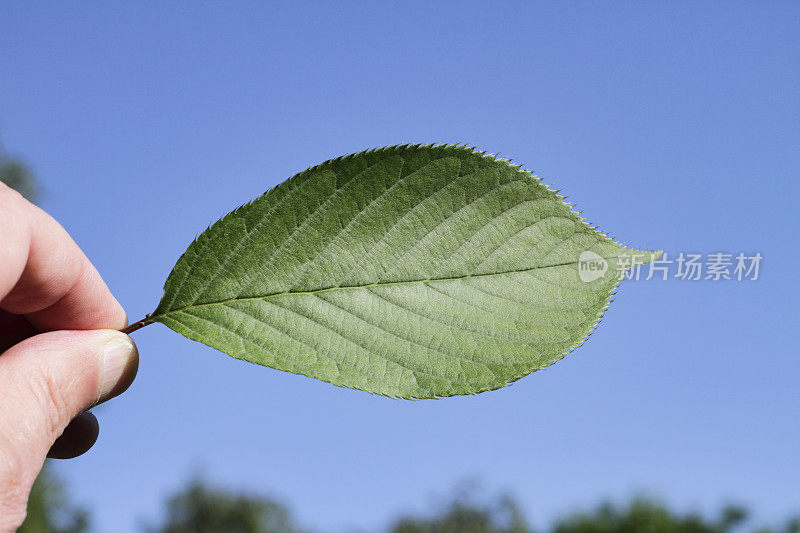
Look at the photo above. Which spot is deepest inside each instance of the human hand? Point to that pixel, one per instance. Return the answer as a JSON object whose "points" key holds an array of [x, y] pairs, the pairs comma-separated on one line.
{"points": [[60, 349]]}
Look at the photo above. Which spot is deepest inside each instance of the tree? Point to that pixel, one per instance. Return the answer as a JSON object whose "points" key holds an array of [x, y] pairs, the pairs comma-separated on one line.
{"points": [[638, 516], [466, 515], [17, 176], [644, 515], [49, 510], [202, 509]]}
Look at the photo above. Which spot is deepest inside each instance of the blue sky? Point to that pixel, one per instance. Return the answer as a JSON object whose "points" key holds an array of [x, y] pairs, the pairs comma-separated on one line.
{"points": [[671, 125]]}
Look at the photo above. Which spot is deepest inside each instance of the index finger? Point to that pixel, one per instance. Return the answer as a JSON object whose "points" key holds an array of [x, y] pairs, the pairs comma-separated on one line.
{"points": [[45, 276]]}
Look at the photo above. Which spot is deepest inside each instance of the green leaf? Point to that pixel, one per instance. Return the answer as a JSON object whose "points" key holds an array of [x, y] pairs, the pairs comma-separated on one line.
{"points": [[409, 271]]}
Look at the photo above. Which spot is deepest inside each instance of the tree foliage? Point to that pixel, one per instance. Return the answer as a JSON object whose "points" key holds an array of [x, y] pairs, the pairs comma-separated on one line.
{"points": [[203, 508], [16, 175], [645, 515], [639, 516], [199, 508], [49, 508], [466, 515]]}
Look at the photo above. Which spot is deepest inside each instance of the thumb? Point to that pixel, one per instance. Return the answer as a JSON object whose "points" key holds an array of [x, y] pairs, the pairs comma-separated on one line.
{"points": [[45, 382]]}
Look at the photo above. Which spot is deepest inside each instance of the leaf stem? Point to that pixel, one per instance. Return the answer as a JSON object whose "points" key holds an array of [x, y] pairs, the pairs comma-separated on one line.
{"points": [[137, 325]]}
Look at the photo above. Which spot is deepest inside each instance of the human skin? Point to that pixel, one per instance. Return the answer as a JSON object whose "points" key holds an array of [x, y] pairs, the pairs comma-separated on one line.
{"points": [[61, 351]]}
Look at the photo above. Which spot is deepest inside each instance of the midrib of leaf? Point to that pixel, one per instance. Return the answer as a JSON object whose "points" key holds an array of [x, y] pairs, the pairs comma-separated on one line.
{"points": [[365, 286]]}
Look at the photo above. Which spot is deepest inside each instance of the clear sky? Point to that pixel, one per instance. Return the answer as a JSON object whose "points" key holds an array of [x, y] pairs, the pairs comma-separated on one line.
{"points": [[671, 125]]}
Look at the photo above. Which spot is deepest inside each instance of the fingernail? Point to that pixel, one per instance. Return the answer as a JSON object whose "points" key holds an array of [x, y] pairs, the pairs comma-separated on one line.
{"points": [[120, 361]]}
